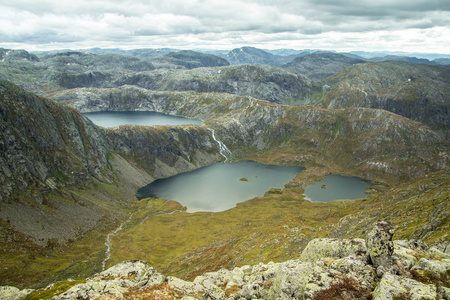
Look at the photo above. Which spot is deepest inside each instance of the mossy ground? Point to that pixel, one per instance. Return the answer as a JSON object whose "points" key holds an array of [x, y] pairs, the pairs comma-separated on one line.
{"points": [[23, 263]]}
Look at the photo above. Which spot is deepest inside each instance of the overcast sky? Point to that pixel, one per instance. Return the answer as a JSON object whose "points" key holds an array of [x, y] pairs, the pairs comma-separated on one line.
{"points": [[342, 25]]}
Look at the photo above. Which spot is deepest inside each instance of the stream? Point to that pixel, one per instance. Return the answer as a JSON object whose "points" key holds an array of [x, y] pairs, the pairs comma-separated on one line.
{"points": [[108, 242]]}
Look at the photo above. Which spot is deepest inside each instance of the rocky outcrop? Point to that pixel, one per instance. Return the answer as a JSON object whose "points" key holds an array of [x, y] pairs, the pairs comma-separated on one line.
{"points": [[380, 246], [334, 272]]}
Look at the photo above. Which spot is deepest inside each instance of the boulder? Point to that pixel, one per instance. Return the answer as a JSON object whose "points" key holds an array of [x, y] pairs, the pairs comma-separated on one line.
{"points": [[13, 293], [380, 247], [338, 248], [395, 287]]}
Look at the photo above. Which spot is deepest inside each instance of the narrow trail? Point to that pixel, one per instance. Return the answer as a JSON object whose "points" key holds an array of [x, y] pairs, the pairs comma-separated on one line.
{"points": [[108, 242]]}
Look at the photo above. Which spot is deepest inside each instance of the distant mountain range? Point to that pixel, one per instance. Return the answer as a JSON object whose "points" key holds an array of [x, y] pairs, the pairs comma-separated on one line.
{"points": [[408, 87]]}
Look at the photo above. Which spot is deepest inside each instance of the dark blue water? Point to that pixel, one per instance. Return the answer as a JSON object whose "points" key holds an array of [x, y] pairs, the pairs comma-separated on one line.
{"points": [[149, 118], [220, 186], [337, 187]]}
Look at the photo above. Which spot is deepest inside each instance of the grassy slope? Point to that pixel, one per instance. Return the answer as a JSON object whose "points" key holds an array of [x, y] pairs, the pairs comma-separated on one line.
{"points": [[25, 264]]}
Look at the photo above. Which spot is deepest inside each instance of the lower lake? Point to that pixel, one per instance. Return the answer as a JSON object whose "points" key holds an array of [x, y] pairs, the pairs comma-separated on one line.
{"points": [[149, 118], [337, 187], [220, 186]]}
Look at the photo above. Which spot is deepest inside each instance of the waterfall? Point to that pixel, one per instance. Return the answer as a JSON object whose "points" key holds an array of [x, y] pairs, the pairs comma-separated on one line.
{"points": [[223, 149]]}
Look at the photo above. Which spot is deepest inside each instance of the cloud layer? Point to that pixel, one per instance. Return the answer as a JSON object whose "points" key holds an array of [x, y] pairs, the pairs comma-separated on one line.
{"points": [[403, 25]]}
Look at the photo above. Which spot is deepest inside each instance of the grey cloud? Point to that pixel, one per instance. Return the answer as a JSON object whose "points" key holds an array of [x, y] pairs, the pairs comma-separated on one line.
{"points": [[210, 22]]}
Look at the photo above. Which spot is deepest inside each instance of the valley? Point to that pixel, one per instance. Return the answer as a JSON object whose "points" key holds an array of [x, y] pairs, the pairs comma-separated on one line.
{"points": [[68, 185]]}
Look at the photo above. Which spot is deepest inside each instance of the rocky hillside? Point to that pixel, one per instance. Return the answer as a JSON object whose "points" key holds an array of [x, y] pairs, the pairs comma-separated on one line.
{"points": [[14, 55], [418, 92], [74, 62], [251, 55], [47, 147], [252, 128], [375, 268], [189, 60], [67, 70], [318, 66], [262, 82], [413, 60]]}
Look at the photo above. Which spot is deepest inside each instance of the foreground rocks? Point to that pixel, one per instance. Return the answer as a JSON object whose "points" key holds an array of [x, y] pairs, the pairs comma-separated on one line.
{"points": [[376, 268]]}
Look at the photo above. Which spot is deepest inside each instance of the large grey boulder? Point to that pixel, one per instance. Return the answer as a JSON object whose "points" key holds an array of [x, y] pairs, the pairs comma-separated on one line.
{"points": [[380, 247], [115, 281], [395, 287], [338, 248]]}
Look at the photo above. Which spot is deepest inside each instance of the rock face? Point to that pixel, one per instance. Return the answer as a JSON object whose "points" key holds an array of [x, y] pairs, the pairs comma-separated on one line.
{"points": [[262, 82], [341, 271], [178, 71]]}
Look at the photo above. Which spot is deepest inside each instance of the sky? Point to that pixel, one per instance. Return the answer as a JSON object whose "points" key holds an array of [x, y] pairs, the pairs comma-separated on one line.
{"points": [[340, 25]]}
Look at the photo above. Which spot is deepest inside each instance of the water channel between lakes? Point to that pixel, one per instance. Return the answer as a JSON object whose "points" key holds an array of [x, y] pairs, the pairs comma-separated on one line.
{"points": [[220, 186]]}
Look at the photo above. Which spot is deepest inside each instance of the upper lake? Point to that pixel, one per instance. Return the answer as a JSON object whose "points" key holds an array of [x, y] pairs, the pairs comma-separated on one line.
{"points": [[220, 186], [149, 118]]}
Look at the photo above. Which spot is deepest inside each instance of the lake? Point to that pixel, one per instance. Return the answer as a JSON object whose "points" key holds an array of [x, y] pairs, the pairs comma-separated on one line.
{"points": [[337, 187], [149, 118], [220, 186]]}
